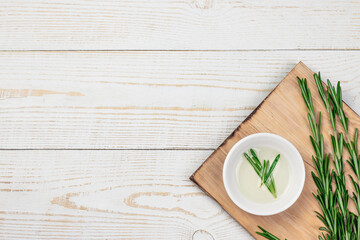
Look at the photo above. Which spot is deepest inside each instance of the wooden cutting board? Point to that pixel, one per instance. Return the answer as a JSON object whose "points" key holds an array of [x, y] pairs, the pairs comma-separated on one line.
{"points": [[283, 112]]}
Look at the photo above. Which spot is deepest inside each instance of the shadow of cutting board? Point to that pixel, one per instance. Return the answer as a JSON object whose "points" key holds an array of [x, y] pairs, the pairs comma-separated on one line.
{"points": [[283, 112]]}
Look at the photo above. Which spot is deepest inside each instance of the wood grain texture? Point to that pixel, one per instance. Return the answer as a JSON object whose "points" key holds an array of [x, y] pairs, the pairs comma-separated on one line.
{"points": [[283, 112], [178, 25], [107, 195], [142, 100]]}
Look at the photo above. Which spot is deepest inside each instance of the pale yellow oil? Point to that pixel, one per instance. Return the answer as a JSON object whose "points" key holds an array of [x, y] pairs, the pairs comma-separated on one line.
{"points": [[249, 182]]}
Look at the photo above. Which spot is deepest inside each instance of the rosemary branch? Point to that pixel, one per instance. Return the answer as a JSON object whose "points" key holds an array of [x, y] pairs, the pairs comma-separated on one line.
{"points": [[351, 221], [267, 235], [345, 224], [341, 193], [323, 175]]}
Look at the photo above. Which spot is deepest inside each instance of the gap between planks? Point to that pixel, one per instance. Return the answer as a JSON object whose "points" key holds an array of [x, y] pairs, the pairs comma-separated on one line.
{"points": [[107, 149], [190, 50], [114, 149]]}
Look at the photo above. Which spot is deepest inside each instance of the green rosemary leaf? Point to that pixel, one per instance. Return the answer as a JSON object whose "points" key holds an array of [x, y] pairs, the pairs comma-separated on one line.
{"points": [[256, 159], [256, 167], [356, 137], [339, 92], [324, 229], [263, 173], [272, 167]]}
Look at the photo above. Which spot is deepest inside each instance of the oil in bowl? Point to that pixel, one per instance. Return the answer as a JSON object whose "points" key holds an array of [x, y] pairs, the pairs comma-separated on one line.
{"points": [[283, 177], [249, 182]]}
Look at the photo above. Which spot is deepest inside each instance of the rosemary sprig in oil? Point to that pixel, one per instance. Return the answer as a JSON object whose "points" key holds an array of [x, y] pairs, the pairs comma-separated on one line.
{"points": [[264, 170]]}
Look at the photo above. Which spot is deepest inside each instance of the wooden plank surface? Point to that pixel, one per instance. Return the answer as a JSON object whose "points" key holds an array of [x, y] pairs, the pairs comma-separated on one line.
{"points": [[284, 113], [142, 100], [107, 195], [178, 25]]}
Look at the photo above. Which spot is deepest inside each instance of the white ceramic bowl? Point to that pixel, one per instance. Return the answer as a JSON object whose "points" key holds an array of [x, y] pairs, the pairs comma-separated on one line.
{"points": [[296, 175]]}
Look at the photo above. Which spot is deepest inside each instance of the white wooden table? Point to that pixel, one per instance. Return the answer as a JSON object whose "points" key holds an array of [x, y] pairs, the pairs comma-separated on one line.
{"points": [[107, 107]]}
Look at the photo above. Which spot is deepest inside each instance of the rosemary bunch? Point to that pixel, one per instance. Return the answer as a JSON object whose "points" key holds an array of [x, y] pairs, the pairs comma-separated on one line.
{"points": [[345, 219], [335, 94], [339, 222], [264, 171], [323, 175]]}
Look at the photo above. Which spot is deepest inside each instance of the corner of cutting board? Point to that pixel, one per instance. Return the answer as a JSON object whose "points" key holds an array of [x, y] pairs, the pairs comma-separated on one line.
{"points": [[193, 176]]}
